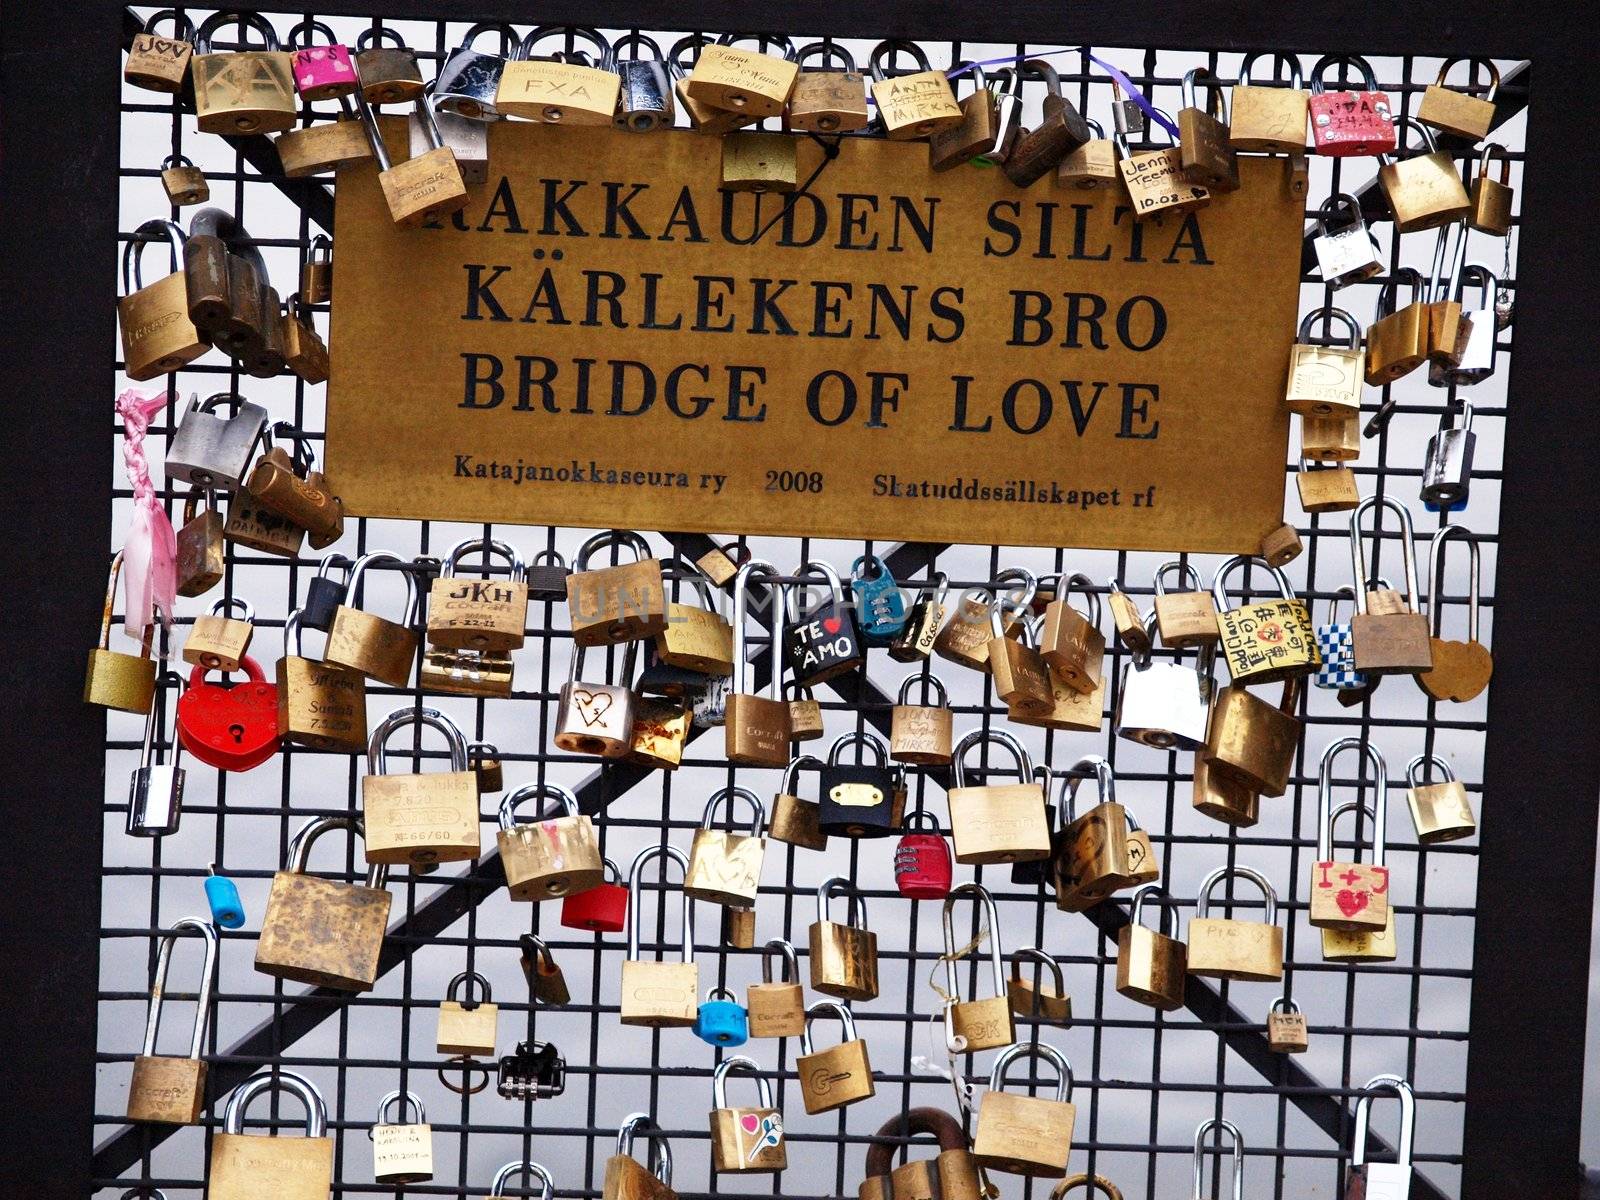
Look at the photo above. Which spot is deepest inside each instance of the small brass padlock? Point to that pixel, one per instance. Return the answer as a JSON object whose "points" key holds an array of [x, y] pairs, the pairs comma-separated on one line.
{"points": [[1230, 948], [1071, 642], [202, 555], [747, 82], [921, 733], [777, 1009], [836, 1076], [157, 333], [547, 983], [844, 958], [469, 1027], [1033, 1000], [974, 1025], [1184, 619], [1286, 1028], [1458, 114], [757, 727], [388, 74], [161, 64], [1441, 812], [379, 648], [217, 641], [1151, 964], [423, 187], [186, 183], [1268, 118]]}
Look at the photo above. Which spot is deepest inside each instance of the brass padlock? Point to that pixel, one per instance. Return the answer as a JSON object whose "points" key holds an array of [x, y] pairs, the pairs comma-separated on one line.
{"points": [[704, 118], [164, 1088], [1070, 641], [1366, 945], [1129, 621], [1264, 641], [251, 523], [1457, 113], [217, 641], [805, 714], [1325, 381], [1269, 119], [1441, 812], [1491, 198], [721, 563], [324, 932], [1448, 334], [425, 186], [913, 105], [965, 637], [777, 1009], [157, 335], [186, 183], [725, 868], [745, 1139], [316, 273], [1223, 795], [621, 603], [796, 821], [377, 647], [1424, 191], [294, 488], [1155, 182], [1332, 489], [1151, 964], [997, 823], [839, 1075], [324, 146], [825, 100], [921, 733], [1026, 1135], [1286, 1028], [974, 1025], [484, 615], [625, 1179], [655, 992], [304, 351], [1347, 895], [1022, 678], [915, 642], [1230, 948], [401, 1153], [467, 672], [486, 765], [660, 732], [743, 81], [560, 89], [416, 818], [1185, 619], [1281, 546], [202, 557], [469, 1027], [1390, 643], [249, 91], [1398, 340], [975, 136], [597, 718], [1090, 1184], [696, 638], [1093, 854], [1030, 998], [547, 983], [388, 74], [954, 1175], [753, 161], [158, 63], [739, 928], [283, 1168], [757, 728], [551, 856], [320, 704], [1205, 155], [1330, 439], [844, 958]]}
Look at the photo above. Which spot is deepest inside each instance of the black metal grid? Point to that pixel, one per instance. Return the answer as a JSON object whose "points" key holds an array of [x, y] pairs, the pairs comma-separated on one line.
{"points": [[1402, 443]]}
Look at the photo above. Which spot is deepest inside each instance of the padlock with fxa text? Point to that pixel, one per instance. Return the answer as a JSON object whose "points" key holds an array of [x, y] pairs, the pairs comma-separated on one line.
{"points": [[658, 993], [974, 1025], [284, 1168], [1026, 1135], [419, 818], [164, 1088], [569, 87], [838, 1075], [554, 855], [844, 958]]}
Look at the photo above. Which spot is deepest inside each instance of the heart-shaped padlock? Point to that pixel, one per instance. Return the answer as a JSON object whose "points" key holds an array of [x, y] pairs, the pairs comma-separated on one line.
{"points": [[231, 728]]}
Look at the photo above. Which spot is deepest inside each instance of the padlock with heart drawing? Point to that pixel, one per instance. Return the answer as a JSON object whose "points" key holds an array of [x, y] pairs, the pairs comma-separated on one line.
{"points": [[1350, 896], [231, 728], [596, 718]]}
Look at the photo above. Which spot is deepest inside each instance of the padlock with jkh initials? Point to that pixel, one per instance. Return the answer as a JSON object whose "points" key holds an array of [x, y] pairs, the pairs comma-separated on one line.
{"points": [[158, 63], [745, 1139], [1155, 182], [823, 99], [1071, 642], [1381, 1181], [756, 727], [724, 867], [911, 105], [917, 639], [796, 821], [1458, 114], [597, 718], [284, 1168], [535, 1172], [1350, 122], [1441, 812], [320, 704], [838, 1075], [1267, 118], [922, 865], [1031, 998], [212, 451], [164, 1088], [625, 1178], [566, 88], [976, 136], [419, 818], [468, 82], [1166, 704], [1326, 381], [248, 91], [777, 1009], [1151, 963], [974, 1025], [920, 733], [998, 822], [1286, 1028], [401, 1152], [1232, 948], [658, 993], [1350, 896], [377, 647], [1026, 1135], [1424, 191], [469, 1027], [1389, 643], [1037, 152], [1205, 155], [115, 679], [1236, 1165], [822, 641], [844, 958], [230, 728], [1347, 255], [748, 82], [697, 638], [553, 855], [472, 614], [859, 800], [424, 186], [1264, 641]]}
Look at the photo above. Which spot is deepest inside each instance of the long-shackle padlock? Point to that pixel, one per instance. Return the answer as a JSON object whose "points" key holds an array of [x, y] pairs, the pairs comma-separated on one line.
{"points": [[1326, 381], [1461, 670], [1269, 119], [249, 91], [158, 334], [467, 139], [1390, 643], [424, 186], [1205, 156], [250, 1168], [1020, 674], [1348, 122], [155, 789], [488, 614], [115, 679], [1165, 704], [1350, 896], [1230, 948], [1441, 812], [1264, 641], [757, 727], [419, 818], [401, 1152], [838, 1075], [158, 63], [1235, 1171], [550, 856], [645, 102], [655, 992], [1348, 255], [1032, 999], [379, 648], [974, 1025], [568, 88], [1480, 332], [469, 79], [1382, 1181], [625, 1178], [1447, 462], [724, 867], [1447, 335], [163, 1088], [535, 1172], [1424, 191], [1151, 963], [745, 1139], [777, 1008], [824, 100], [914, 105], [997, 823], [844, 957], [469, 1027], [1026, 1135]]}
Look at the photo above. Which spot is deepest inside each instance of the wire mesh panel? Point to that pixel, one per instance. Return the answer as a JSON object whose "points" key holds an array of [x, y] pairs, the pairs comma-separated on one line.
{"points": [[1142, 1081]]}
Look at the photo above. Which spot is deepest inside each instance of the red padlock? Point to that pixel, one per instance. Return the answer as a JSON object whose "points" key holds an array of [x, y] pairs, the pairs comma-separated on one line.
{"points": [[922, 863], [1346, 123], [232, 728], [602, 909]]}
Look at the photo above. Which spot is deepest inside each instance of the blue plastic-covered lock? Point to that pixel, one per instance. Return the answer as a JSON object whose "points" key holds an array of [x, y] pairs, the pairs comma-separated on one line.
{"points": [[722, 1022], [880, 608], [226, 908]]}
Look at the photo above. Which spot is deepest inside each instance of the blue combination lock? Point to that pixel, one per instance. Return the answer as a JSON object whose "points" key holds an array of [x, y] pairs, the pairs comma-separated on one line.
{"points": [[880, 607], [223, 897], [722, 1022]]}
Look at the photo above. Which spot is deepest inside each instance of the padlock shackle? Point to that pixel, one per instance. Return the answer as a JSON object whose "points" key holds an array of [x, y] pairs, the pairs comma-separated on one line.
{"points": [[1337, 201], [640, 40], [829, 51], [1488, 284], [1036, 955], [745, 1066], [1186, 571], [918, 816], [182, 27], [1369, 79], [299, 850], [752, 569], [333, 562], [1292, 61], [822, 1008], [1166, 911], [1219, 581], [508, 36], [401, 1099], [684, 571], [1236, 1171], [469, 977], [147, 748], [222, 224], [364, 41], [133, 252], [630, 657], [1436, 570], [729, 795], [111, 603], [791, 962], [1444, 69], [860, 737], [1355, 806], [245, 20], [660, 1149], [1090, 766], [1284, 1004], [691, 44], [1064, 584], [1441, 287], [856, 905], [791, 774], [541, 792], [1202, 908], [1038, 1050], [796, 596], [612, 537], [353, 583], [377, 742], [1429, 144], [158, 984], [1089, 1183], [311, 26], [269, 1081], [533, 1170], [1216, 102], [762, 40], [571, 35], [1039, 68], [893, 48], [1375, 1086], [982, 736], [1415, 767], [980, 896], [1329, 313], [1358, 559], [1021, 599], [1390, 292], [636, 908], [489, 548]]}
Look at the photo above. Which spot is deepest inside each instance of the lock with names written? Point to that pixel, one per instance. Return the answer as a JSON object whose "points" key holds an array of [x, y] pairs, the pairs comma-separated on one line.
{"points": [[1359, 945], [1347, 121], [161, 64], [658, 993], [401, 1153], [1350, 896], [974, 1025], [419, 818], [553, 855], [164, 1088], [1265, 641], [697, 638], [917, 639], [914, 104], [1286, 1028], [1155, 182], [920, 733]]}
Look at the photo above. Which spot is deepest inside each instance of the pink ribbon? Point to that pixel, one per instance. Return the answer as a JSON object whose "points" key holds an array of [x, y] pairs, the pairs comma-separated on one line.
{"points": [[150, 552]]}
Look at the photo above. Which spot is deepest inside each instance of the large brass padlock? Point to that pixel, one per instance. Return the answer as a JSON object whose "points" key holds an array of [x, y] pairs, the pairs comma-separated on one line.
{"points": [[1441, 812], [1229, 948], [157, 334], [379, 648], [997, 823], [757, 727], [1250, 742], [724, 867], [165, 1088], [1264, 641], [914, 105], [401, 1152], [425, 186], [974, 1025], [777, 1009], [272, 1168], [658, 993], [838, 1075], [697, 638], [844, 958], [158, 63], [1151, 963], [116, 679], [746, 82], [324, 146], [324, 932], [1325, 381], [250, 91], [1069, 709], [1458, 114], [795, 821], [622, 603], [549, 857], [1350, 896], [1038, 151], [1424, 191], [561, 89], [320, 705], [921, 733], [1268, 118], [625, 1178], [1026, 1135], [706, 119], [745, 1139], [1388, 643], [470, 1027], [419, 818], [486, 614], [1331, 489], [825, 100]]}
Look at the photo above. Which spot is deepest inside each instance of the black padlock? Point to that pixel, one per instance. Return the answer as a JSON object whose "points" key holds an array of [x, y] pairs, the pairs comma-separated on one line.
{"points": [[535, 1072], [547, 581], [326, 593], [824, 642], [860, 800], [663, 679], [1036, 872], [915, 642]]}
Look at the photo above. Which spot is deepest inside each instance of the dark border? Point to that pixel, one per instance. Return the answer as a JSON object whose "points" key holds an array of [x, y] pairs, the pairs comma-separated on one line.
{"points": [[1542, 768]]}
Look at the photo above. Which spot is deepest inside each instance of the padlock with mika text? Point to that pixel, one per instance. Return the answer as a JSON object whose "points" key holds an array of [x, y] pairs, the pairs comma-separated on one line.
{"points": [[1348, 255], [794, 820], [401, 1152], [914, 104], [921, 733], [1231, 948], [1205, 155], [286, 1168], [625, 1178], [1388, 643], [974, 1025], [745, 1139], [777, 1009], [160, 64], [1026, 1135], [724, 867], [379, 648], [756, 727], [658, 993], [1350, 896], [997, 823], [844, 958], [320, 704], [1461, 670], [825, 100], [164, 1088], [1151, 963], [469, 1026], [838, 1075]]}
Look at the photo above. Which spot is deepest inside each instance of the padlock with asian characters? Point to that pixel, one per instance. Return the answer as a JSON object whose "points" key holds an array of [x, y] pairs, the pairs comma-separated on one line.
{"points": [[1388, 643], [1232, 948], [999, 822], [724, 867], [974, 1025], [655, 992], [1347, 121], [165, 1088], [401, 1152], [777, 1009], [377, 647], [1026, 1135], [1350, 896], [844, 958], [247, 91], [837, 1075], [469, 1026], [1264, 641], [1151, 963], [745, 1139], [252, 1168], [625, 1178]]}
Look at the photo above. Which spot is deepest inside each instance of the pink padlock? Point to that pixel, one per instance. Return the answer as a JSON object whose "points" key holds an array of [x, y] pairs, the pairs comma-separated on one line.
{"points": [[922, 865], [1346, 123], [321, 72]]}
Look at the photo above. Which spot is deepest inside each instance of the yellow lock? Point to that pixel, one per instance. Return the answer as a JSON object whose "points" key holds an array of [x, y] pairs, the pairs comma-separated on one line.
{"points": [[1033, 999], [724, 867], [973, 1025], [747, 82], [1442, 812], [469, 1027], [115, 679], [997, 823], [1224, 948], [656, 992], [550, 857], [419, 818], [1026, 1135], [272, 1168], [165, 1088]]}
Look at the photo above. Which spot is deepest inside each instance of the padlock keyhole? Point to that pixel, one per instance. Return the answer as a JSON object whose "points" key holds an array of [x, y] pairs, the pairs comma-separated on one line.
{"points": [[237, 732]]}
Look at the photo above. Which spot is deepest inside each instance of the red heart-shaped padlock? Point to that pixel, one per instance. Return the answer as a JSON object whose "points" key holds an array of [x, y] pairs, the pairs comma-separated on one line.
{"points": [[232, 728]]}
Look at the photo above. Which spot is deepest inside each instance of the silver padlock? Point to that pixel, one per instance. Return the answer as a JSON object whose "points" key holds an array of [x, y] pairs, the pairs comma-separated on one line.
{"points": [[645, 102], [1477, 355], [1382, 1181], [216, 452], [469, 79], [709, 705], [1447, 467], [1165, 704], [155, 791], [1348, 255], [596, 718], [468, 140], [1006, 84]]}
